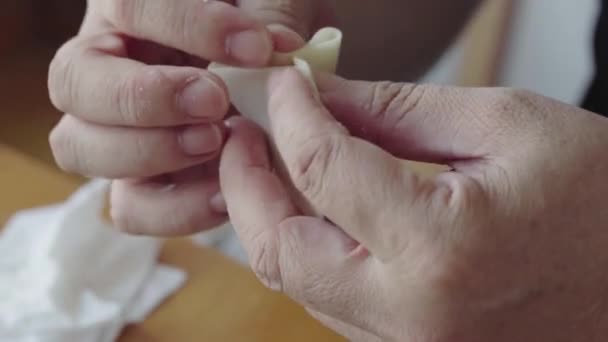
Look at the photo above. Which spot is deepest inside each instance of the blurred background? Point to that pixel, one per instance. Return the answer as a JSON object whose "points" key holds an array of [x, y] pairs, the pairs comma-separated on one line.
{"points": [[541, 45], [30, 33]]}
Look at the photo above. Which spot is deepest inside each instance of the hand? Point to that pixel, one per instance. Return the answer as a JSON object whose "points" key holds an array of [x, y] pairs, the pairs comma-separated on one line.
{"points": [[510, 245], [141, 108]]}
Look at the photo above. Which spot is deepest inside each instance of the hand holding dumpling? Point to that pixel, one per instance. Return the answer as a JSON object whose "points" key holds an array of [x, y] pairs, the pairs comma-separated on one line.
{"points": [[507, 246]]}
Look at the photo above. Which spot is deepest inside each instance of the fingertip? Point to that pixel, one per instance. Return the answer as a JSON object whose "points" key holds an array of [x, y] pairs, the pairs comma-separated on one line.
{"points": [[285, 39], [246, 147], [250, 48], [244, 129], [165, 208], [236, 123], [218, 203]]}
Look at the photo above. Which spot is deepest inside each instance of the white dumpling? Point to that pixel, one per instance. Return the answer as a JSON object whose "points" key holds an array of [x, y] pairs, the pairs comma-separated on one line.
{"points": [[248, 88]]}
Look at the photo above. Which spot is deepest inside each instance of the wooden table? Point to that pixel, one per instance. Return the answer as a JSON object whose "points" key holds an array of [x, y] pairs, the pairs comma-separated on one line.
{"points": [[221, 301]]}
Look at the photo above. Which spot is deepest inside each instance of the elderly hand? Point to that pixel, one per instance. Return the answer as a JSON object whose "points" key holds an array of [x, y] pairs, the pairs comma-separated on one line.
{"points": [[142, 109], [510, 245]]}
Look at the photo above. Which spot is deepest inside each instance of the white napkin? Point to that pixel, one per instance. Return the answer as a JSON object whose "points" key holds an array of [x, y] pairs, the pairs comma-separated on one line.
{"points": [[67, 275]]}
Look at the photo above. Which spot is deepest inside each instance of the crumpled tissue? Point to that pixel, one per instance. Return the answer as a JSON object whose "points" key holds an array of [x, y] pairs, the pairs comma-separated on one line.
{"points": [[67, 275]]}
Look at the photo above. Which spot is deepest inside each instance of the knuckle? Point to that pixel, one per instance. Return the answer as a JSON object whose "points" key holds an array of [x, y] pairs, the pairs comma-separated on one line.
{"points": [[390, 102], [516, 94], [141, 149], [507, 113], [187, 24], [459, 198], [61, 77], [145, 152], [505, 99], [512, 105], [312, 165], [406, 99], [184, 27], [381, 96], [130, 97]]}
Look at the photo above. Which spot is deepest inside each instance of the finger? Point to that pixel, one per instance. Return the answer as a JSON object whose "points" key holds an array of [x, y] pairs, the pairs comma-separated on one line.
{"points": [[295, 15], [350, 181], [92, 78], [325, 270], [255, 198], [213, 30], [291, 22], [422, 122], [180, 204], [351, 332], [120, 152], [284, 39], [312, 261]]}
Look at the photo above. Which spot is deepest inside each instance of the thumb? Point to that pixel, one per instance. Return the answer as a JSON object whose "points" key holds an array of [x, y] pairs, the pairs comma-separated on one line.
{"points": [[309, 259], [291, 22], [348, 180], [324, 270], [429, 123]]}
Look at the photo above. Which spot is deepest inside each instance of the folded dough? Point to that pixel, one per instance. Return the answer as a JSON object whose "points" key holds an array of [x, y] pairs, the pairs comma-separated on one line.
{"points": [[248, 88]]}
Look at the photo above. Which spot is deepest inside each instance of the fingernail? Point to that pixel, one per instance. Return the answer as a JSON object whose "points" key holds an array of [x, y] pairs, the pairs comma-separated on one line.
{"points": [[218, 203], [200, 140], [231, 122], [284, 30], [285, 39], [203, 97], [228, 123], [252, 48]]}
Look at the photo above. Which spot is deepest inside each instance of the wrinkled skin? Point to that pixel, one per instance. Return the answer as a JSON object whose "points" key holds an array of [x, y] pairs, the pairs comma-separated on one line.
{"points": [[143, 111], [510, 245]]}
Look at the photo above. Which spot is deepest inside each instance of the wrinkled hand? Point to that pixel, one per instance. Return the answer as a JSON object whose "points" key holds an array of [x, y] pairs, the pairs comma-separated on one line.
{"points": [[510, 245], [142, 109]]}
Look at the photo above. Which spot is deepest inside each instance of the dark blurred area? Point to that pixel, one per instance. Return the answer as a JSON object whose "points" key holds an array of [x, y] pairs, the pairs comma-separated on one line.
{"points": [[30, 33]]}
